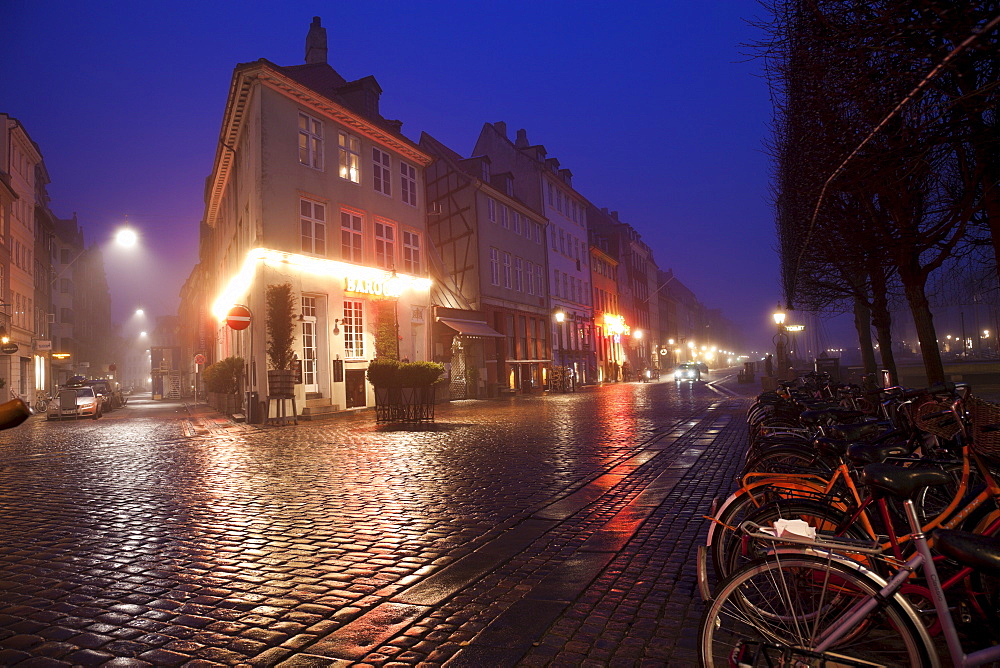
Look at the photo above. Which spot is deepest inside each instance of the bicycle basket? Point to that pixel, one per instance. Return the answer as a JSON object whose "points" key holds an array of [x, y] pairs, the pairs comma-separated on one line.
{"points": [[944, 426], [982, 413]]}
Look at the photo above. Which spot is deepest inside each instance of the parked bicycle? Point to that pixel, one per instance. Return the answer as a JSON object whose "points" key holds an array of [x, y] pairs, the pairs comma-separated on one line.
{"points": [[42, 399], [813, 603]]}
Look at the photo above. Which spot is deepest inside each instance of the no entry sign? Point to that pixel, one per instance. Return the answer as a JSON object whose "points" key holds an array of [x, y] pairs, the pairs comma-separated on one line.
{"points": [[238, 317]]}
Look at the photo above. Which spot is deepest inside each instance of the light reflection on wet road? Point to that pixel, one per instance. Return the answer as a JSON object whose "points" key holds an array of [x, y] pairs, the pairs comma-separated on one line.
{"points": [[125, 537]]}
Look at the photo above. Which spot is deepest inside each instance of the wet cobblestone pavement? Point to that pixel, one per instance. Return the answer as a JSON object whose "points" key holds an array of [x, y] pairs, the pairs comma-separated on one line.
{"points": [[546, 530]]}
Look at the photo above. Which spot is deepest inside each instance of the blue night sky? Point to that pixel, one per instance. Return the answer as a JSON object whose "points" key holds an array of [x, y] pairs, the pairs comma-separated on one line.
{"points": [[657, 110]]}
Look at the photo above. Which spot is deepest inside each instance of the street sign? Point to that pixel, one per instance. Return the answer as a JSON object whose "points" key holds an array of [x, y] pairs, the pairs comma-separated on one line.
{"points": [[199, 358], [238, 317], [8, 348]]}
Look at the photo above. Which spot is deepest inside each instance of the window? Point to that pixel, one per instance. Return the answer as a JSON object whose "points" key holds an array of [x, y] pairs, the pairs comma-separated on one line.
{"points": [[381, 180], [517, 222], [506, 270], [491, 209], [494, 266], [555, 283], [385, 244], [411, 252], [350, 237], [350, 157], [312, 222], [354, 341], [538, 280], [310, 141], [408, 183], [529, 274], [519, 274], [504, 216]]}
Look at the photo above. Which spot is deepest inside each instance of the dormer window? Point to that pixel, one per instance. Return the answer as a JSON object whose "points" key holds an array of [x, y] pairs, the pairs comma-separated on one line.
{"points": [[484, 166]]}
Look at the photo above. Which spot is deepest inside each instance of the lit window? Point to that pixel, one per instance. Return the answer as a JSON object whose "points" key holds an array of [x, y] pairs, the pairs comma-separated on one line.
{"points": [[381, 179], [411, 252], [350, 157], [312, 222], [408, 183], [350, 237], [310, 141], [385, 245], [353, 328]]}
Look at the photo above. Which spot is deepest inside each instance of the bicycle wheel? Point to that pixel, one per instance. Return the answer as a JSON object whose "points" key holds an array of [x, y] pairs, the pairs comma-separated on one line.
{"points": [[41, 406], [771, 612], [741, 506], [739, 549]]}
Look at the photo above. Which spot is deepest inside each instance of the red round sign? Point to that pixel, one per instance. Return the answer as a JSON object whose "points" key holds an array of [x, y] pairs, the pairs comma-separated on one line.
{"points": [[238, 317]]}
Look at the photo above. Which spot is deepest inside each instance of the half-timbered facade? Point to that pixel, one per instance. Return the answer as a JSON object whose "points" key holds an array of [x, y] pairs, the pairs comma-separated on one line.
{"points": [[492, 246]]}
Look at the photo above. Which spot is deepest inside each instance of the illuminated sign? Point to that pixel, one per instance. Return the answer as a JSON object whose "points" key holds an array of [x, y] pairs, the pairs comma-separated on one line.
{"points": [[795, 328], [388, 288], [365, 279], [615, 324]]}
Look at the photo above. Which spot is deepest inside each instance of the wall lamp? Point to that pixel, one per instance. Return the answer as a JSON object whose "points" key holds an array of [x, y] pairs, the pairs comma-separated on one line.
{"points": [[336, 330]]}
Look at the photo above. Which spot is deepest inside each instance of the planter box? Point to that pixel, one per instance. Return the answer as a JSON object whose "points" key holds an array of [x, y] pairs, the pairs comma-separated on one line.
{"points": [[404, 404], [223, 402], [280, 382]]}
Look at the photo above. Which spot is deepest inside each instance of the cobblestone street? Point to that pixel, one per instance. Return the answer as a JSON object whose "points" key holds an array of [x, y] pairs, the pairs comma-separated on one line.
{"points": [[541, 530]]}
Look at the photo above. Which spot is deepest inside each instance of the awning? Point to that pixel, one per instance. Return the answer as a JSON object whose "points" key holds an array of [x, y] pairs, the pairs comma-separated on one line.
{"points": [[471, 328]]}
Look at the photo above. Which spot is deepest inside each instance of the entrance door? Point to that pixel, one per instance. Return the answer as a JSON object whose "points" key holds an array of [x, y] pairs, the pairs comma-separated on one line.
{"points": [[310, 378], [354, 382]]}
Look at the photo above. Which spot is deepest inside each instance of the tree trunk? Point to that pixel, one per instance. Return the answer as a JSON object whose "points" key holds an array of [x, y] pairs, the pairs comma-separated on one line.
{"points": [[926, 336], [882, 320], [863, 323]]}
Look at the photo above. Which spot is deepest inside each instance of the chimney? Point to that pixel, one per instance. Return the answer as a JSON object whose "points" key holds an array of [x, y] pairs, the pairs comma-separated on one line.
{"points": [[501, 127], [316, 43], [522, 139]]}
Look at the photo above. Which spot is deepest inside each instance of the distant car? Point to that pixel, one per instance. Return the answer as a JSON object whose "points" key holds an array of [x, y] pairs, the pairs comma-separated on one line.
{"points": [[687, 371], [76, 402]]}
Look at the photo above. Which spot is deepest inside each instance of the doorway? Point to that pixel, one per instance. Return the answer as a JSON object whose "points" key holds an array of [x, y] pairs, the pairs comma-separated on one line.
{"points": [[354, 382]]}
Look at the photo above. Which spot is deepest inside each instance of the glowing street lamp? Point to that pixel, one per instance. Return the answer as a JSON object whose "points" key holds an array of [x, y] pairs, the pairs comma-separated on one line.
{"points": [[780, 341]]}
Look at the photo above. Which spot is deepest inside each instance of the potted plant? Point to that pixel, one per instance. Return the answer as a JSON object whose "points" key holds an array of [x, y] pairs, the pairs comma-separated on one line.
{"points": [[404, 391], [280, 319], [223, 380]]}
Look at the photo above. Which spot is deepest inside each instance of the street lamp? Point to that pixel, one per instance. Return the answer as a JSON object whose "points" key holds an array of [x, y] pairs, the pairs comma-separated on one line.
{"points": [[780, 341]]}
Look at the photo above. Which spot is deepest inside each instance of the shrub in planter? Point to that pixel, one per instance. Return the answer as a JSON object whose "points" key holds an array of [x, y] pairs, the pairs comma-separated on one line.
{"points": [[223, 377], [384, 372], [420, 374], [280, 304]]}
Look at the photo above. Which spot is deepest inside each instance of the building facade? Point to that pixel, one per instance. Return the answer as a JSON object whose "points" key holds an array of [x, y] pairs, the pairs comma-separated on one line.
{"points": [[548, 189], [312, 187], [492, 246]]}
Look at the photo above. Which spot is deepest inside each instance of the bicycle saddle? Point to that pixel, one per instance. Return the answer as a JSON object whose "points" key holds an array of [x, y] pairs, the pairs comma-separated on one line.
{"points": [[886, 479]]}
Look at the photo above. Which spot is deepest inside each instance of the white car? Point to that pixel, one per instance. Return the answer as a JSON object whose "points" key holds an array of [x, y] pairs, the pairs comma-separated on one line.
{"points": [[76, 402], [687, 371]]}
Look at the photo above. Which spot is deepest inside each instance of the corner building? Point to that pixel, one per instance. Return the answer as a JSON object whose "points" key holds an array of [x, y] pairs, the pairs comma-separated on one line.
{"points": [[313, 187]]}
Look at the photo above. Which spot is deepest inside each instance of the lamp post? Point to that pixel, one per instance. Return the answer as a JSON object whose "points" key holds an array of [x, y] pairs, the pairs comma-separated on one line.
{"points": [[560, 318], [780, 342]]}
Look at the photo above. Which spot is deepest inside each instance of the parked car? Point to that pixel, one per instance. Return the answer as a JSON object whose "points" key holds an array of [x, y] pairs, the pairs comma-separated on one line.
{"points": [[687, 371], [76, 402], [113, 397]]}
